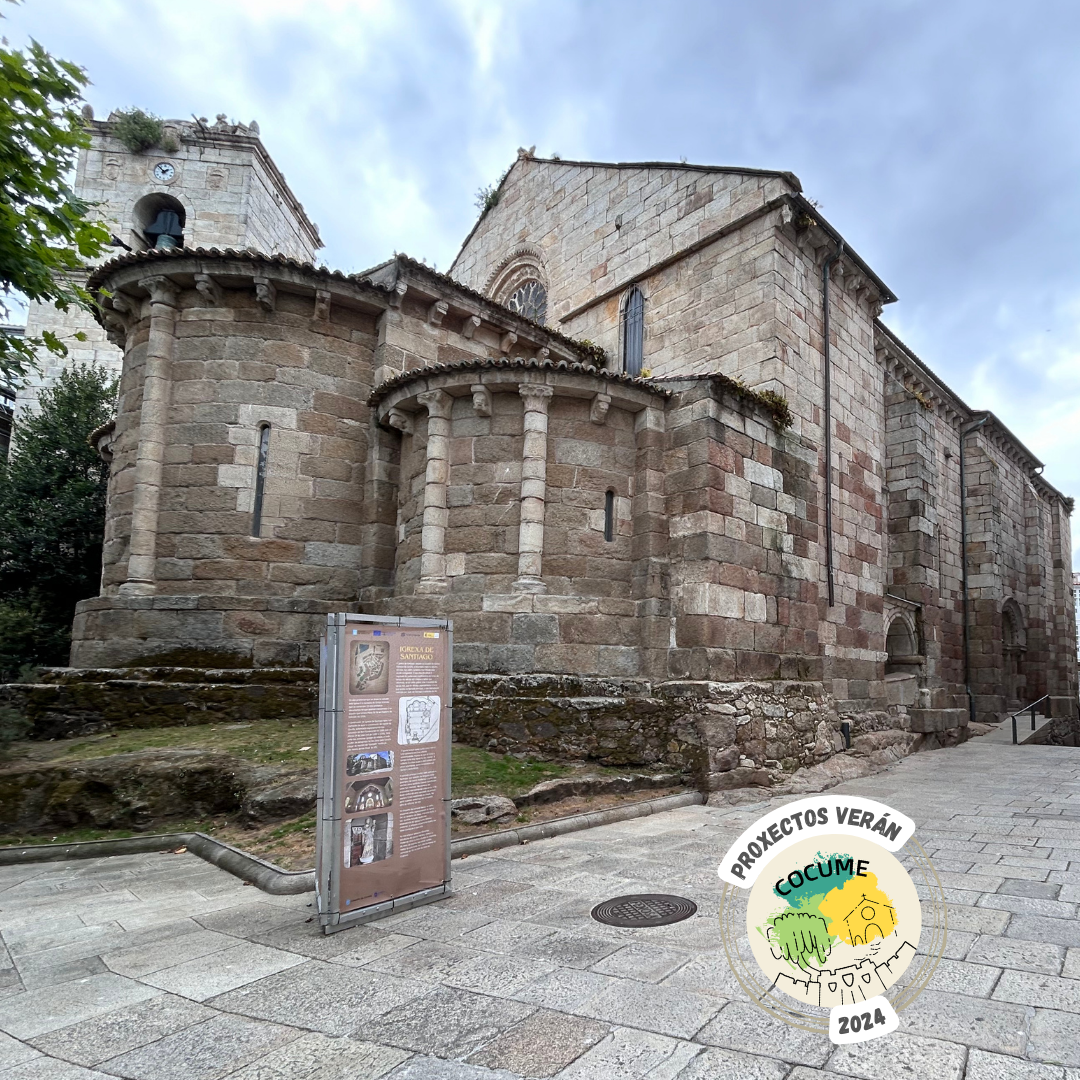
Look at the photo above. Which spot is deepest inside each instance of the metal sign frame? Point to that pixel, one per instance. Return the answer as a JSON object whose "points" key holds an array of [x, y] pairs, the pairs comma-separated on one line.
{"points": [[329, 840]]}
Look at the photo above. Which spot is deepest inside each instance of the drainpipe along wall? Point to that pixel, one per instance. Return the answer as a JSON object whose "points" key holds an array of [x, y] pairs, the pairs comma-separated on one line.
{"points": [[827, 379], [964, 433]]}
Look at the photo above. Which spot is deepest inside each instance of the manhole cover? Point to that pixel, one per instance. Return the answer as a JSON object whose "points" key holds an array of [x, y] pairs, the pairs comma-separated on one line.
{"points": [[644, 909]]}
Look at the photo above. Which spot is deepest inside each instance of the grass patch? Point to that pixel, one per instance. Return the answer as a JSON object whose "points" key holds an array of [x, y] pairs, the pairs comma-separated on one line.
{"points": [[266, 742], [477, 772]]}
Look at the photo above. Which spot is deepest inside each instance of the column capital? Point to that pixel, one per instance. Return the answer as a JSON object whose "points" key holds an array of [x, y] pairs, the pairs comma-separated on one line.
{"points": [[162, 290], [539, 392], [437, 403]]}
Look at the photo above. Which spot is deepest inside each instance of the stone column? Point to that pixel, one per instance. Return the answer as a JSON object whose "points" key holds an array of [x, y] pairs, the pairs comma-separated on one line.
{"points": [[533, 488], [433, 536], [152, 420]]}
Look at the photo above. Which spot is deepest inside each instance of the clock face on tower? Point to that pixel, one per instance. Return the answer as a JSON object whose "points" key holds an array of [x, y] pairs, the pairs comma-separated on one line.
{"points": [[164, 172]]}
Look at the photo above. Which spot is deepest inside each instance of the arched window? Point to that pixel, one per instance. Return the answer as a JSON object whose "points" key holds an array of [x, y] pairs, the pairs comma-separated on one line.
{"points": [[158, 220], [633, 331], [260, 479], [609, 516], [900, 646]]}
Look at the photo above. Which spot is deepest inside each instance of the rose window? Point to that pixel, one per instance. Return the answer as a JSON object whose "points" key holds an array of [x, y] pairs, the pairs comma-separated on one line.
{"points": [[530, 300]]}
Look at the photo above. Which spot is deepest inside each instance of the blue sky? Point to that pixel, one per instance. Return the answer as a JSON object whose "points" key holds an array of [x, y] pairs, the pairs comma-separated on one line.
{"points": [[942, 138]]}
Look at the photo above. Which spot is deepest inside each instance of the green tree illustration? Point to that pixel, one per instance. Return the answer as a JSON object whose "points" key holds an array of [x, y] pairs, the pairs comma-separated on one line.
{"points": [[801, 936]]}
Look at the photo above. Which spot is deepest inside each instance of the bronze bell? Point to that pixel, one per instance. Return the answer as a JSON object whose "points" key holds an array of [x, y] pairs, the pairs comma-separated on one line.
{"points": [[165, 231]]}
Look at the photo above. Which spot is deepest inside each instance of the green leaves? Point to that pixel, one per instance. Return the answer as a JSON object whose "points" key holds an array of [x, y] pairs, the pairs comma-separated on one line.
{"points": [[46, 235], [52, 517]]}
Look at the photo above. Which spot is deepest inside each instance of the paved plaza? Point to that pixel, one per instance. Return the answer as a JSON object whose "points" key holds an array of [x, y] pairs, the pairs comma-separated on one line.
{"points": [[162, 967]]}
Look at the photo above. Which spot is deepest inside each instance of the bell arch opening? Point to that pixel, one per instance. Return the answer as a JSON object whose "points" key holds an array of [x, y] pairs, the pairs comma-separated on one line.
{"points": [[158, 220]]}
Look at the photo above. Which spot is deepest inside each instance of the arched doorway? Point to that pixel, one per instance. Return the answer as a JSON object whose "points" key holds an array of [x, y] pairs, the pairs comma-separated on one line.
{"points": [[1013, 646]]}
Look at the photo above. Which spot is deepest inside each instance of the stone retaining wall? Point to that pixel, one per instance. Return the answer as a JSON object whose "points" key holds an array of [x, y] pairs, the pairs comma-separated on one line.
{"points": [[68, 702], [724, 735]]}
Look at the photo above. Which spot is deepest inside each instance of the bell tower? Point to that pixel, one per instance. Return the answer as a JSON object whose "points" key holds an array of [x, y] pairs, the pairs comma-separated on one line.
{"points": [[210, 185]]}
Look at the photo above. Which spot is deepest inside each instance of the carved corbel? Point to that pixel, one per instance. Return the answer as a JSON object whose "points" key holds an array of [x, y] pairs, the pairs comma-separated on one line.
{"points": [[543, 355], [876, 308], [599, 409], [397, 294], [115, 330], [787, 215], [126, 305], [400, 421], [481, 399], [322, 305], [102, 439], [472, 324], [265, 293], [208, 289], [509, 340], [437, 311]]}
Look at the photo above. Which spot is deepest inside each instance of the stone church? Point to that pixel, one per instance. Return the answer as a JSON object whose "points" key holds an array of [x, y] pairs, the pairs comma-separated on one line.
{"points": [[648, 444]]}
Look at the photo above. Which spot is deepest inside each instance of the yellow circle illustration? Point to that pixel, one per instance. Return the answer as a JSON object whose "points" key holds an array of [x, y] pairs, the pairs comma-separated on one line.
{"points": [[833, 920]]}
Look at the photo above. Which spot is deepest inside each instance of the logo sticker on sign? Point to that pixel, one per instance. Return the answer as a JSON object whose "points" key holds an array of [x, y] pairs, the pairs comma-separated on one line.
{"points": [[833, 919]]}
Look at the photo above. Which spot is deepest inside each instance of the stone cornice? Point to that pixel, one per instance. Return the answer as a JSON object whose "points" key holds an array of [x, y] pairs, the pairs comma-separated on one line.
{"points": [[473, 378], [400, 280], [912, 373]]}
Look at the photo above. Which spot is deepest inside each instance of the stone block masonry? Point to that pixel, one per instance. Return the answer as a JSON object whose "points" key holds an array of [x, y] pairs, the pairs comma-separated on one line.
{"points": [[636, 563], [226, 189]]}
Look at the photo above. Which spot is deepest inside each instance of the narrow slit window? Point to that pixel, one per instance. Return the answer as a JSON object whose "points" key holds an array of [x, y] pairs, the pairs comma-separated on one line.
{"points": [[260, 479], [633, 331], [609, 516]]}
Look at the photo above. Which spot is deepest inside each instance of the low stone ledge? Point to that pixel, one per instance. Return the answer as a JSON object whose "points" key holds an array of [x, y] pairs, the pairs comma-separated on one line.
{"points": [[272, 879], [73, 702], [567, 787]]}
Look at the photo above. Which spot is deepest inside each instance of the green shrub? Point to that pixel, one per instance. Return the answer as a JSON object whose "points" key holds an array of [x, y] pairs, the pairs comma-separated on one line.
{"points": [[52, 517], [13, 727], [487, 197], [138, 131]]}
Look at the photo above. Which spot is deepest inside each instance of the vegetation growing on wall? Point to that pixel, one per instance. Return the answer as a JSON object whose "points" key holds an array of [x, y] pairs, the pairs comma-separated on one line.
{"points": [[773, 403], [141, 131], [488, 197]]}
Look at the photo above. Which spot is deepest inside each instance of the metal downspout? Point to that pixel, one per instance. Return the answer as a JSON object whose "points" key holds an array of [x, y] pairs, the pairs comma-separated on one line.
{"points": [[826, 267], [964, 433]]}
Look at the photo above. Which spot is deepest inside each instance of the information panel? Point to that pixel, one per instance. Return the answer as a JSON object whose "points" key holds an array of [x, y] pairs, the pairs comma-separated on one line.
{"points": [[384, 766]]}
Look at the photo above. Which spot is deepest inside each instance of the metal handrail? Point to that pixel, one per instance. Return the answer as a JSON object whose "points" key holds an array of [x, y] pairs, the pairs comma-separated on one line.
{"points": [[1027, 708]]}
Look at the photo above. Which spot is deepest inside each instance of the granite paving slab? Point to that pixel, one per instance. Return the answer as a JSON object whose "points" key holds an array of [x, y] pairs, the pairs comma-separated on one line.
{"points": [[541, 1045], [450, 1023], [113, 1033], [218, 972], [323, 997], [205, 1051], [35, 1012], [315, 1056]]}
